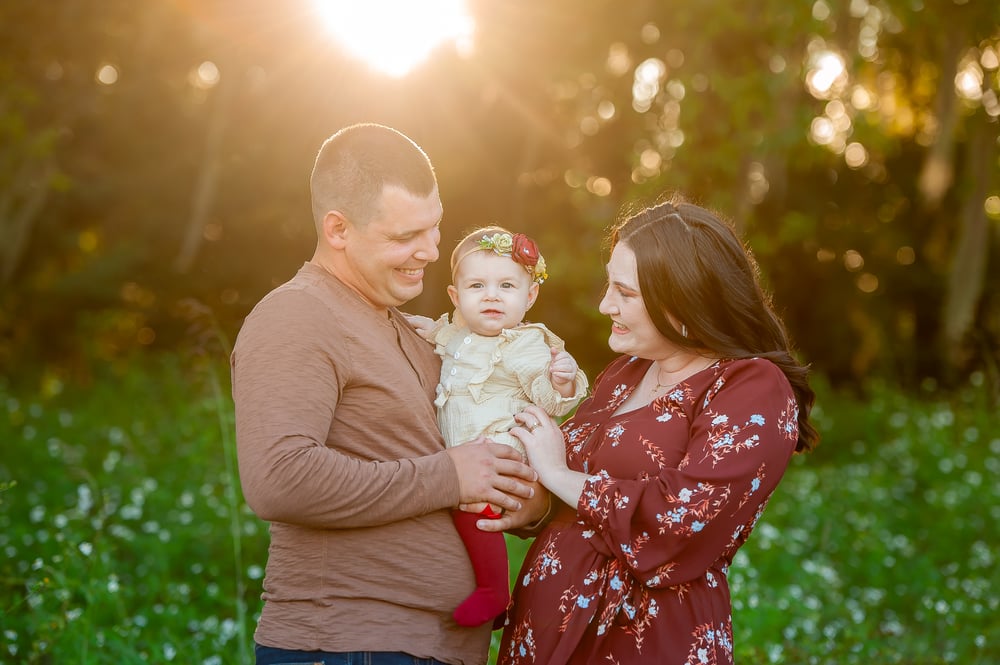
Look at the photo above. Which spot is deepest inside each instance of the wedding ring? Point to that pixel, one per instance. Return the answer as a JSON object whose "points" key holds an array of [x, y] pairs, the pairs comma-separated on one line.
{"points": [[534, 426]]}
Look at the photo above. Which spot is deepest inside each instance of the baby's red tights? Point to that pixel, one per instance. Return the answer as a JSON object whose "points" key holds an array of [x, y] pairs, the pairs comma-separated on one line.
{"points": [[488, 553]]}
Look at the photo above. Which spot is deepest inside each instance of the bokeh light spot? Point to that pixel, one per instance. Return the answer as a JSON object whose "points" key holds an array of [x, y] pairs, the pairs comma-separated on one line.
{"points": [[107, 75]]}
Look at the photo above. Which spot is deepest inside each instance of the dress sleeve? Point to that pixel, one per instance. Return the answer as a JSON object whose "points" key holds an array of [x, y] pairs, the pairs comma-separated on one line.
{"points": [[670, 528], [442, 332], [528, 357]]}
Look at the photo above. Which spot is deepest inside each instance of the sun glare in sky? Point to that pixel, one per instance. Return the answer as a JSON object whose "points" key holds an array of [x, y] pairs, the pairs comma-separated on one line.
{"points": [[394, 36]]}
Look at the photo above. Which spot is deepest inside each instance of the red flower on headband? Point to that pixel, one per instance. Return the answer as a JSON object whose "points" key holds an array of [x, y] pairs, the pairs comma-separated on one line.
{"points": [[525, 251]]}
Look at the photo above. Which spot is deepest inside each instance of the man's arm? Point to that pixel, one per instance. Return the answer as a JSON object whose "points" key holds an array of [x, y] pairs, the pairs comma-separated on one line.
{"points": [[287, 386]]}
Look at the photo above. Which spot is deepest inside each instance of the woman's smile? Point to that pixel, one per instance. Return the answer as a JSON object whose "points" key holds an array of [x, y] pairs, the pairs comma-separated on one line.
{"points": [[618, 328]]}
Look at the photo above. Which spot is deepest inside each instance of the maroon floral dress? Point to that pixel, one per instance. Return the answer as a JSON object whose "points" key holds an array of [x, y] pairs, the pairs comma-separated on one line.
{"points": [[636, 571]]}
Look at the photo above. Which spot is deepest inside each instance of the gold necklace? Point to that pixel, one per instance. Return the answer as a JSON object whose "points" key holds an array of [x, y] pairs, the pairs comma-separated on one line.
{"points": [[660, 386], [670, 386]]}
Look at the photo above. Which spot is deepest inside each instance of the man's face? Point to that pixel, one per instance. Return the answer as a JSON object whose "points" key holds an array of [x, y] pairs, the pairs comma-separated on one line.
{"points": [[386, 257]]}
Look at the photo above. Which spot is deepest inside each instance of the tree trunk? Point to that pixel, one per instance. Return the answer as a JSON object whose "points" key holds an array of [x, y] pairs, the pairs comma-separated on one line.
{"points": [[937, 172], [206, 187], [19, 209], [966, 280]]}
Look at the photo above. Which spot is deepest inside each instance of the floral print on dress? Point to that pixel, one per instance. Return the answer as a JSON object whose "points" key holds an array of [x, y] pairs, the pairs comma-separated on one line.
{"points": [[707, 643], [545, 564], [636, 572]]}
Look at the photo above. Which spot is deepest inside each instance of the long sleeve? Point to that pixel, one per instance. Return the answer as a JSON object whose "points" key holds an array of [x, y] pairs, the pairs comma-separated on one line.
{"points": [[339, 450], [315, 447], [528, 356], [670, 527], [637, 570]]}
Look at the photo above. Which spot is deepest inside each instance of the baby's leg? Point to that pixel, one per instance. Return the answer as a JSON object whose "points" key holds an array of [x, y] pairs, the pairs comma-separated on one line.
{"points": [[488, 554]]}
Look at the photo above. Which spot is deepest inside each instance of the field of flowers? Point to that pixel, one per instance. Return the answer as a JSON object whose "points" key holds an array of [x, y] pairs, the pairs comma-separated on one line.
{"points": [[124, 537]]}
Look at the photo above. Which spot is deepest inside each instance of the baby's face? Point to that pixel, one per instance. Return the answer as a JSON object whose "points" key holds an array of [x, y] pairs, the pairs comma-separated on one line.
{"points": [[492, 292]]}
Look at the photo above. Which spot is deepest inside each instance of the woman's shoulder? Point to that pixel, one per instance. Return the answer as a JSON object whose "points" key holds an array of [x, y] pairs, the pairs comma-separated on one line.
{"points": [[751, 375], [755, 367]]}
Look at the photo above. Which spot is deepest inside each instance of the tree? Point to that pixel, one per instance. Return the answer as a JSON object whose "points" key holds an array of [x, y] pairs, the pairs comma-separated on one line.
{"points": [[156, 152]]}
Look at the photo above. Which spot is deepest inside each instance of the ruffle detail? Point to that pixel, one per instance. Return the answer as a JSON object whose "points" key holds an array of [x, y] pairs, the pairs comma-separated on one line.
{"points": [[509, 340]]}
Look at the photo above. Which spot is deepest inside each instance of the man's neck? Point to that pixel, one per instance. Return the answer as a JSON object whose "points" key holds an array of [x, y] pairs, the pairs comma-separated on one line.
{"points": [[330, 267]]}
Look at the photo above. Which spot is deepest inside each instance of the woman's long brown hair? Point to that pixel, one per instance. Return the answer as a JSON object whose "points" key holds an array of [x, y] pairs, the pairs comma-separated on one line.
{"points": [[691, 266]]}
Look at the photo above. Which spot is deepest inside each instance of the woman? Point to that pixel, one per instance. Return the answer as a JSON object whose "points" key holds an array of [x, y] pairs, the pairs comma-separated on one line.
{"points": [[661, 475]]}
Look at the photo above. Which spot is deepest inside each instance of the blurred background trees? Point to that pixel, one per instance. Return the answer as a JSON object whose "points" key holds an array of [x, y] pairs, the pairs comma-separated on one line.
{"points": [[154, 160]]}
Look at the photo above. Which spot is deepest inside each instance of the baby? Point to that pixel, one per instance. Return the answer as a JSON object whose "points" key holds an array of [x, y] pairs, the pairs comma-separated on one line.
{"points": [[493, 366]]}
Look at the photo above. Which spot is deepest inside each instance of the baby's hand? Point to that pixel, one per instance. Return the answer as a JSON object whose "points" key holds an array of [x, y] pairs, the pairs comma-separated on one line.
{"points": [[562, 372], [422, 324]]}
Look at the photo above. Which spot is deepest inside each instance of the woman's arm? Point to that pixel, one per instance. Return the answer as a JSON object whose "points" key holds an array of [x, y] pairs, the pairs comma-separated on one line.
{"points": [[543, 441], [671, 527]]}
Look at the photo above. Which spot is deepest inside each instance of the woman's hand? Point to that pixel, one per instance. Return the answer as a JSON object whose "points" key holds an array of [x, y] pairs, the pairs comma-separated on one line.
{"points": [[543, 441]]}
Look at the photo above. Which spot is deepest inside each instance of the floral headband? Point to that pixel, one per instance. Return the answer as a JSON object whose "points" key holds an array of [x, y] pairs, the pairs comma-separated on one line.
{"points": [[520, 249]]}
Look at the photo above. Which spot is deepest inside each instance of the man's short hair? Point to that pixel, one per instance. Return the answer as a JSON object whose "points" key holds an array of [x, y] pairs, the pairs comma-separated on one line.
{"points": [[355, 165]]}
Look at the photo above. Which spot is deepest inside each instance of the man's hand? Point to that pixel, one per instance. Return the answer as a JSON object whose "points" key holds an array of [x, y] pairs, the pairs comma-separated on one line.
{"points": [[492, 472], [533, 510]]}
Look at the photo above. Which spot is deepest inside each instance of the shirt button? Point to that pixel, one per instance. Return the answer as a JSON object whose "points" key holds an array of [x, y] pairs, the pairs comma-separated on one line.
{"points": [[468, 340], [454, 371], [457, 355]]}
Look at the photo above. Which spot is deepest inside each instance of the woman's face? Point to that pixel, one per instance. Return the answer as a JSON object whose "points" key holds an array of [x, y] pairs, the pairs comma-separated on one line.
{"points": [[632, 331]]}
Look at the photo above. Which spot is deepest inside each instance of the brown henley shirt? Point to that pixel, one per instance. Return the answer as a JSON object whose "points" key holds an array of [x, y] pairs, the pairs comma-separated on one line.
{"points": [[340, 451]]}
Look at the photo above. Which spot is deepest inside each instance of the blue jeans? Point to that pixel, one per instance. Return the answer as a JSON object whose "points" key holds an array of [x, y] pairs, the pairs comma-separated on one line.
{"points": [[274, 656]]}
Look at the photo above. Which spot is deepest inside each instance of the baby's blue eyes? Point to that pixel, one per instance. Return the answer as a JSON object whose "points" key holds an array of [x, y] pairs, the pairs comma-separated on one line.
{"points": [[503, 285]]}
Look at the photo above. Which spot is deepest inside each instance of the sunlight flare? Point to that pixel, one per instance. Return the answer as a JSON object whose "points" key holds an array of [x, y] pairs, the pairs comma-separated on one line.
{"points": [[394, 36]]}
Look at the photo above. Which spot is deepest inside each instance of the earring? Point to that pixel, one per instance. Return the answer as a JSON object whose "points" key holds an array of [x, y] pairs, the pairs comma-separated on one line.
{"points": [[684, 331]]}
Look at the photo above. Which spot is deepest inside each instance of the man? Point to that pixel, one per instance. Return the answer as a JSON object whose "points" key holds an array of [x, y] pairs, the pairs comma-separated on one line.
{"points": [[337, 434]]}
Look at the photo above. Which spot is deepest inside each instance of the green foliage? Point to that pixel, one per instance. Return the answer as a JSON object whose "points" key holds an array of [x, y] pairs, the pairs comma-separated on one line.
{"points": [[125, 539], [100, 181], [124, 536], [878, 547]]}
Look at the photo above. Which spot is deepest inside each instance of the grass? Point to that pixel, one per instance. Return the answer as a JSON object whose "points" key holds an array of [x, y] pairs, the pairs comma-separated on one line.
{"points": [[124, 538], [880, 547]]}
